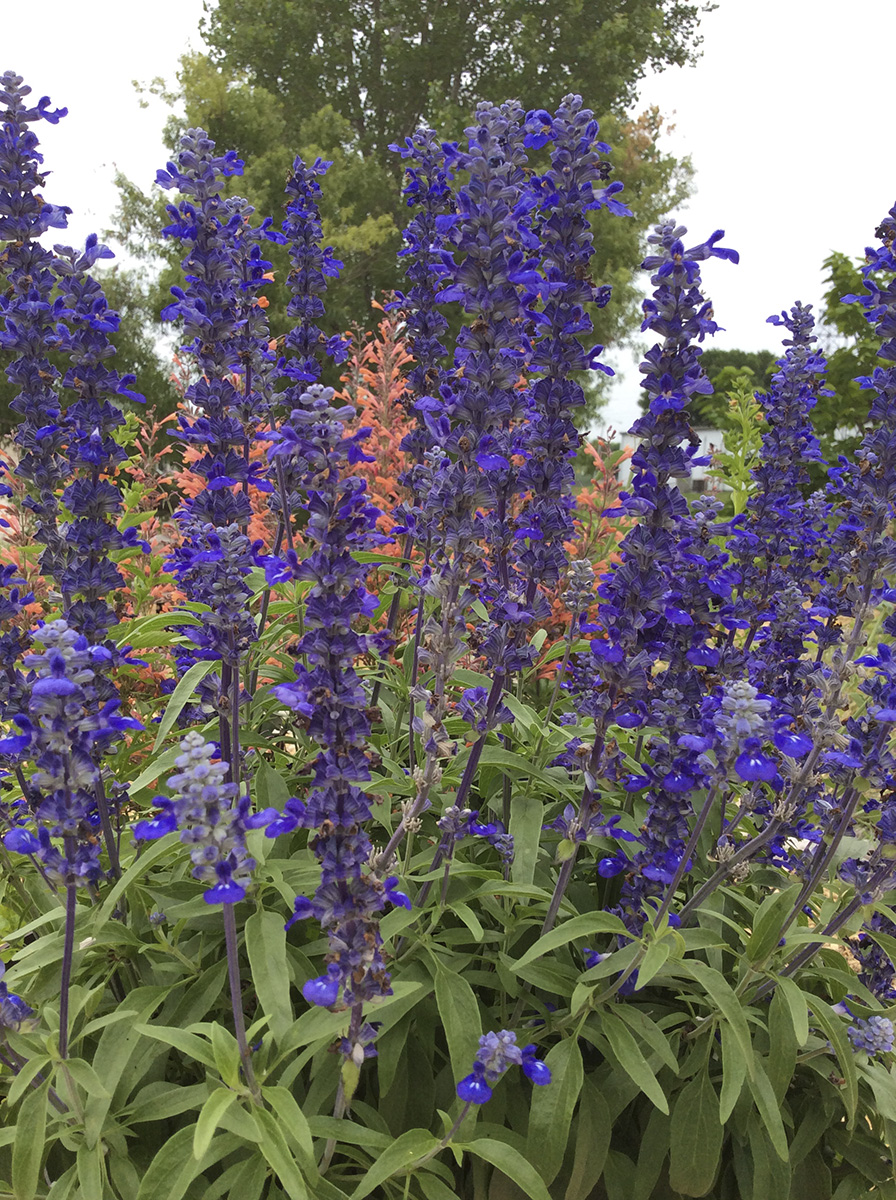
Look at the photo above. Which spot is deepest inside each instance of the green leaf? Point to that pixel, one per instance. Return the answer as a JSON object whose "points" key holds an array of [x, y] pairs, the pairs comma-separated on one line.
{"points": [[812, 1178], [137, 868], [550, 1113], [274, 1148], [654, 961], [64, 1185], [227, 1054], [295, 1125], [559, 649], [210, 1118], [734, 1072], [652, 1152], [771, 1178], [768, 922], [509, 760], [631, 1060], [144, 633], [524, 715], [84, 1075], [190, 1044], [767, 1106], [271, 789], [154, 769], [158, 1101], [649, 1032], [583, 926], [883, 1086], [433, 1188], [799, 1008], [833, 1026], [459, 1011], [28, 1148], [117, 1045], [781, 1061], [26, 1075], [526, 818], [90, 1170], [469, 918], [347, 1131], [398, 1157], [696, 1136], [595, 1128], [511, 1162], [173, 1167], [186, 686], [266, 944], [722, 994]]}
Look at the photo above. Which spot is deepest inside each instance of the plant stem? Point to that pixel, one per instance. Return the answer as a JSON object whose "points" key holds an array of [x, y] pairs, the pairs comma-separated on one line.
{"points": [[265, 605], [555, 691], [236, 999], [15, 1064], [68, 949], [688, 851], [341, 1106], [109, 837], [445, 1140]]}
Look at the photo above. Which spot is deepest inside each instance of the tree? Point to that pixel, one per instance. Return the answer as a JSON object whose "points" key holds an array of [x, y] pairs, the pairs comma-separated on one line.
{"points": [[726, 369], [851, 346], [386, 65]]}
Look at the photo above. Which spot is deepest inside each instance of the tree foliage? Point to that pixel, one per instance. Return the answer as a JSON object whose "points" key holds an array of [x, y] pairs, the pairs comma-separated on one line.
{"points": [[385, 65], [344, 80], [851, 349]]}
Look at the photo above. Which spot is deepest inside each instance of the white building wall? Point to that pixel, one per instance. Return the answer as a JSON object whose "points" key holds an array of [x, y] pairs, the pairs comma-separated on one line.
{"points": [[711, 440]]}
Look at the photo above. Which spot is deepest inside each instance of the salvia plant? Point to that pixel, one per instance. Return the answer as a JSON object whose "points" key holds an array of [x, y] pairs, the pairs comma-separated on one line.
{"points": [[413, 848]]}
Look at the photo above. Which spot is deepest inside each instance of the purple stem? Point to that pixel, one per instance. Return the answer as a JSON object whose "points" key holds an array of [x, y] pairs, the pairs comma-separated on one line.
{"points": [[236, 1000], [109, 837], [54, 1097], [688, 851], [68, 949], [494, 699]]}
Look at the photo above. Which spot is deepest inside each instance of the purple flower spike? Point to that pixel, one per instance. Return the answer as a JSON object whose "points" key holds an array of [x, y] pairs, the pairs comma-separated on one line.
{"points": [[874, 1036]]}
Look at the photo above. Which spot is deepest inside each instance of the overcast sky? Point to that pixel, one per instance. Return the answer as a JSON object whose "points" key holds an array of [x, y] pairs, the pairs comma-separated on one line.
{"points": [[789, 161]]}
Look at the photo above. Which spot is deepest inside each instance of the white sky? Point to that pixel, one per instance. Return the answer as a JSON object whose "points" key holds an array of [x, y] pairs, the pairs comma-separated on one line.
{"points": [[788, 162]]}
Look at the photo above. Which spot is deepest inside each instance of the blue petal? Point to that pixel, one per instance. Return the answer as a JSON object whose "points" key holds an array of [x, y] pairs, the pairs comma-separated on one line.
{"points": [[225, 893], [474, 1089], [322, 991]]}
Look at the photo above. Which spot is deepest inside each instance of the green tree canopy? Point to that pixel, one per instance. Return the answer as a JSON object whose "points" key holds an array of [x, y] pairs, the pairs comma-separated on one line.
{"points": [[851, 346], [386, 65]]}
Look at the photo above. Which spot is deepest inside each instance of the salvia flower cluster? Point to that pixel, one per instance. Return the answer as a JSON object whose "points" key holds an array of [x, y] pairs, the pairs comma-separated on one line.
{"points": [[212, 818], [497, 1053], [65, 732]]}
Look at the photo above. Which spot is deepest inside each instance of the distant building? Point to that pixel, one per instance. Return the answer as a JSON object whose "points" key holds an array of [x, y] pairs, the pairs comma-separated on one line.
{"points": [[712, 441]]}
